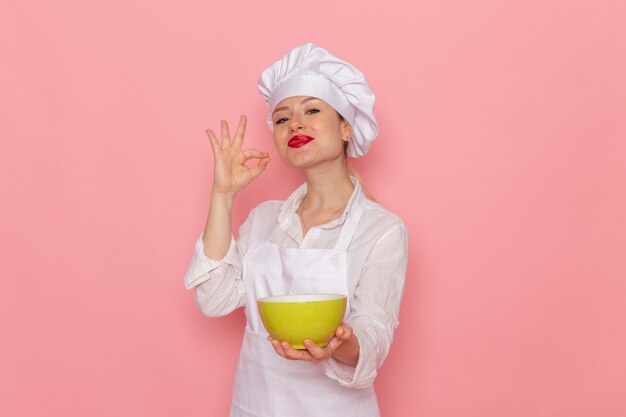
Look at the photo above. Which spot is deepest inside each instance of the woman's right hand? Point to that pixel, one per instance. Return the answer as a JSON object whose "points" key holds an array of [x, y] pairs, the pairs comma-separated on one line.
{"points": [[230, 171]]}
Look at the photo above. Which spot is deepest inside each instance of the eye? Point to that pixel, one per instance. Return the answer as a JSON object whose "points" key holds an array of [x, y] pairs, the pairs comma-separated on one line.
{"points": [[280, 121], [312, 111]]}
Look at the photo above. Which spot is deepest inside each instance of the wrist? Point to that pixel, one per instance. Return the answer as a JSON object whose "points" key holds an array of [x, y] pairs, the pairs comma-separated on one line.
{"points": [[222, 198]]}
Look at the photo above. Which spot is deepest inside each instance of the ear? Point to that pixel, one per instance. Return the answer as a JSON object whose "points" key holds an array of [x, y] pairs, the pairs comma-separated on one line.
{"points": [[346, 130]]}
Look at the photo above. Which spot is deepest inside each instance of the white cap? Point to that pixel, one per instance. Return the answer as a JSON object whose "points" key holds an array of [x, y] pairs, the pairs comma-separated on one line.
{"points": [[309, 70]]}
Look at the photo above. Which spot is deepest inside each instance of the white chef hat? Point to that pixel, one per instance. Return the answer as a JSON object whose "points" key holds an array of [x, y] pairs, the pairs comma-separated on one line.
{"points": [[309, 70]]}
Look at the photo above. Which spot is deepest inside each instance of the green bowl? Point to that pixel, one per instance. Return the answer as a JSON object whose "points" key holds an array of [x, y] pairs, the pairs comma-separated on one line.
{"points": [[294, 318]]}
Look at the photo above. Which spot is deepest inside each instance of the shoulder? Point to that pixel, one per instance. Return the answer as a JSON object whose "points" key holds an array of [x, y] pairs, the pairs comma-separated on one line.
{"points": [[268, 208], [260, 219], [264, 214], [376, 215], [380, 226]]}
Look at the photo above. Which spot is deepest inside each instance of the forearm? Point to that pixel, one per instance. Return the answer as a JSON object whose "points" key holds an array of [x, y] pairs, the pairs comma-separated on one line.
{"points": [[217, 232]]}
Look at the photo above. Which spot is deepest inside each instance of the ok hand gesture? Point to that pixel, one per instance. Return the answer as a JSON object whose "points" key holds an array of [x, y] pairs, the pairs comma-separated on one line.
{"points": [[230, 171]]}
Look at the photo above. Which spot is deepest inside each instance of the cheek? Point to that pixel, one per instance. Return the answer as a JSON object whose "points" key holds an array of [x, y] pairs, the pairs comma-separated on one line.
{"points": [[277, 134], [280, 143], [334, 145]]}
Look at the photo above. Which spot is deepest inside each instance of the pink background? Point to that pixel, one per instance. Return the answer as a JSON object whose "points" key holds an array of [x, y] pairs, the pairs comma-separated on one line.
{"points": [[503, 147]]}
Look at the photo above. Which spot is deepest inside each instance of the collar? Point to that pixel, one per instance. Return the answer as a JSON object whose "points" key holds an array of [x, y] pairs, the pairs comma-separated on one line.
{"points": [[287, 217]]}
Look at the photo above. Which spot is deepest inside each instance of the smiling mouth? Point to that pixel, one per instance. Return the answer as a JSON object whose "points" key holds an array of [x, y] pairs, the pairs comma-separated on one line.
{"points": [[299, 140]]}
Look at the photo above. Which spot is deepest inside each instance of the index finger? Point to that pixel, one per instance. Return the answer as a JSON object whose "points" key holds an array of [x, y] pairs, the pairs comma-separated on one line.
{"points": [[241, 129]]}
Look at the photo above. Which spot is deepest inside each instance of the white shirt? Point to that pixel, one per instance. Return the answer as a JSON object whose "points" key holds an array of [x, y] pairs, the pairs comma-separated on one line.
{"points": [[377, 258]]}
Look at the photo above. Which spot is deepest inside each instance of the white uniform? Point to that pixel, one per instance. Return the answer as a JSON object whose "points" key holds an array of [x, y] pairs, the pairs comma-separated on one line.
{"points": [[269, 385]]}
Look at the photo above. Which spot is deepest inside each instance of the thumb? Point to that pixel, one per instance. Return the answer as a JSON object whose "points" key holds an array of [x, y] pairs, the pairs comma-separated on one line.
{"points": [[343, 332]]}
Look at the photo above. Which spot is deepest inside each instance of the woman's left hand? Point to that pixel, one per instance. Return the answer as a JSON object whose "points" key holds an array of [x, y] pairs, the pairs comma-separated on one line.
{"points": [[344, 338]]}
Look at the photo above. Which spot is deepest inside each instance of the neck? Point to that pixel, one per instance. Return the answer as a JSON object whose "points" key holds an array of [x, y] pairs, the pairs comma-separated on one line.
{"points": [[329, 188]]}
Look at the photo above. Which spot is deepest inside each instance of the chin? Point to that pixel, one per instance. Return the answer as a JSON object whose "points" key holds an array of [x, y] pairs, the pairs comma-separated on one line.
{"points": [[307, 163], [300, 163], [297, 159]]}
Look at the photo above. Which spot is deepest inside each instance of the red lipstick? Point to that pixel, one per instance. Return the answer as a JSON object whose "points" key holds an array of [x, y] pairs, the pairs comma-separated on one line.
{"points": [[299, 140]]}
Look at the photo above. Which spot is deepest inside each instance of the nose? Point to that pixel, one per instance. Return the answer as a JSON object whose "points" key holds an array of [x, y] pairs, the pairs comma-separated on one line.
{"points": [[295, 124]]}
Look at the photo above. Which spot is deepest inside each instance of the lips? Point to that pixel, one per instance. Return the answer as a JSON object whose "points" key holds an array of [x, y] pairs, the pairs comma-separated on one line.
{"points": [[299, 140]]}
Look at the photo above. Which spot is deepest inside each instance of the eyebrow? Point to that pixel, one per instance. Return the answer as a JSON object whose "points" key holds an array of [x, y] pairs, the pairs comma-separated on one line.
{"points": [[302, 102]]}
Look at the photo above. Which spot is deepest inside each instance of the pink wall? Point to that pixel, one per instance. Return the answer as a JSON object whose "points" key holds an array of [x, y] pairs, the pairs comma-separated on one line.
{"points": [[503, 146]]}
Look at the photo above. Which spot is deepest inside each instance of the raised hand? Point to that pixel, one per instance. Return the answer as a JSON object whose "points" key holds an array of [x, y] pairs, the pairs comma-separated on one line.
{"points": [[230, 171]]}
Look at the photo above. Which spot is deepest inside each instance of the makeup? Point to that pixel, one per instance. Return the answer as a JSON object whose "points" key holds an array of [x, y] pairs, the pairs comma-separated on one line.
{"points": [[299, 140]]}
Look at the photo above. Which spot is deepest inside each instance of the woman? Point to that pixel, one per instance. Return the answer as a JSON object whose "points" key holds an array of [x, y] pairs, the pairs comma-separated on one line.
{"points": [[327, 237]]}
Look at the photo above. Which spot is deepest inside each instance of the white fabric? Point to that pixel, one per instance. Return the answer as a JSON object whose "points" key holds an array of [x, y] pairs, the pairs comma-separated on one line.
{"points": [[309, 70], [302, 271], [267, 384], [376, 262]]}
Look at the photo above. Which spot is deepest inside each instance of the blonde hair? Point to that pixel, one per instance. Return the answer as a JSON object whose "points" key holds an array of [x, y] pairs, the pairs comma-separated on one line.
{"points": [[351, 170], [363, 187]]}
